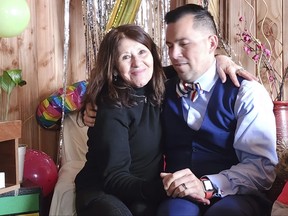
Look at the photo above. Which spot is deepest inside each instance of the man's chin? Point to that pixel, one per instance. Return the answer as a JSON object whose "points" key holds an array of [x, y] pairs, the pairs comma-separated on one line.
{"points": [[179, 70]]}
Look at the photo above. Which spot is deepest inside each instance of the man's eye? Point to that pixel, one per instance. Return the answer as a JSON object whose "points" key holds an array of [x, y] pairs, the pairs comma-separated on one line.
{"points": [[169, 46], [183, 44]]}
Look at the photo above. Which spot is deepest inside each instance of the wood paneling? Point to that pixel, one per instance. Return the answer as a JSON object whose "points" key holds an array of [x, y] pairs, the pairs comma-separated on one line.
{"points": [[233, 13], [176, 3]]}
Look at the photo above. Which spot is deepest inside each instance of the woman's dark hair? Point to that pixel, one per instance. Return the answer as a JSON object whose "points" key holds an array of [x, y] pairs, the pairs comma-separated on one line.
{"points": [[102, 86]]}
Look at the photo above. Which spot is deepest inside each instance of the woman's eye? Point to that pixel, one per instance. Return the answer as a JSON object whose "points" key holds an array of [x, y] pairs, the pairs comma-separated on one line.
{"points": [[125, 57], [142, 51]]}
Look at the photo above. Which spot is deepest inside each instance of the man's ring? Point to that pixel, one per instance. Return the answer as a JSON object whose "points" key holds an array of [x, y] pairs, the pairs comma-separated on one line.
{"points": [[184, 186], [239, 70]]}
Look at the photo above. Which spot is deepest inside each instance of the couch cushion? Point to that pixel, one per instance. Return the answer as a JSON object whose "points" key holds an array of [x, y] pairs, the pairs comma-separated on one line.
{"points": [[75, 140]]}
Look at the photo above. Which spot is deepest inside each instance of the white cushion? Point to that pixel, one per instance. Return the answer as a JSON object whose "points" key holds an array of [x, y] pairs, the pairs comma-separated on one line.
{"points": [[73, 159], [75, 140]]}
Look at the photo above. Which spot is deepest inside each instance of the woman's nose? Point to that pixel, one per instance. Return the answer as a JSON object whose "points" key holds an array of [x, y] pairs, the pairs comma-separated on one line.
{"points": [[135, 61]]}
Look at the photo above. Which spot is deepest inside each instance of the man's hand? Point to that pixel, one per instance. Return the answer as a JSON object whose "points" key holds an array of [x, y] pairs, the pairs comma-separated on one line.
{"points": [[89, 115], [226, 66], [184, 183]]}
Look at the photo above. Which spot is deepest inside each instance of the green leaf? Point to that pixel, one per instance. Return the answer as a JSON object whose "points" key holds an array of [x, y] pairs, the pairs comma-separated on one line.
{"points": [[7, 83], [15, 75], [10, 79]]}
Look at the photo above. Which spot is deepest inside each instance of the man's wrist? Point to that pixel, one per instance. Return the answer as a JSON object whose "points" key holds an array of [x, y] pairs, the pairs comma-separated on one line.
{"points": [[208, 188]]}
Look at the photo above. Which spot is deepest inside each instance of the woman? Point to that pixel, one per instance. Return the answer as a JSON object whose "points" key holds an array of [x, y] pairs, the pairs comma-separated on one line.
{"points": [[121, 175]]}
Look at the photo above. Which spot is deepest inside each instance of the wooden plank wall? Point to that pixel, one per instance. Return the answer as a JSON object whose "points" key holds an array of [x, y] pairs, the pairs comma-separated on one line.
{"points": [[38, 51]]}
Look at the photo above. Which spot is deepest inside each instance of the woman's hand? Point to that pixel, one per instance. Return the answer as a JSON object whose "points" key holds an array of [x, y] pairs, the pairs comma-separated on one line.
{"points": [[226, 66]]}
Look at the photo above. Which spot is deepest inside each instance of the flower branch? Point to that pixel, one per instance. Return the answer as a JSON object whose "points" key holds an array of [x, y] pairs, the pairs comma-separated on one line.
{"points": [[261, 55]]}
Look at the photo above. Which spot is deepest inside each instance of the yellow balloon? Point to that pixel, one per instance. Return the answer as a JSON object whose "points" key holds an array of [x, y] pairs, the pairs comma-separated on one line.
{"points": [[14, 17]]}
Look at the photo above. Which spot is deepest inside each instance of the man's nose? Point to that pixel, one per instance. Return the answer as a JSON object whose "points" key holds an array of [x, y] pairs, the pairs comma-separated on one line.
{"points": [[174, 52]]}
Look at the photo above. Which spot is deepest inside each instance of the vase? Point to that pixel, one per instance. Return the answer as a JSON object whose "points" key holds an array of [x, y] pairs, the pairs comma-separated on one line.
{"points": [[281, 117]]}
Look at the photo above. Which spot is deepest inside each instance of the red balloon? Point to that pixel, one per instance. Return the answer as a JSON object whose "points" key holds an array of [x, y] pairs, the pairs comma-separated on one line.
{"points": [[40, 169]]}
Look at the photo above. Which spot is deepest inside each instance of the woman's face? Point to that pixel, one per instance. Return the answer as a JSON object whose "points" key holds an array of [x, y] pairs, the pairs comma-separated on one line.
{"points": [[135, 62]]}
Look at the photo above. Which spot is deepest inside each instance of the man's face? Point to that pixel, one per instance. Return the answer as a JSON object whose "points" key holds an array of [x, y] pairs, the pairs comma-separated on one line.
{"points": [[191, 51]]}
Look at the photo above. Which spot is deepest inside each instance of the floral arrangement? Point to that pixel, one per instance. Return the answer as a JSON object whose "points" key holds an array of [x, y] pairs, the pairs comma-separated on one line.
{"points": [[261, 55], [8, 81]]}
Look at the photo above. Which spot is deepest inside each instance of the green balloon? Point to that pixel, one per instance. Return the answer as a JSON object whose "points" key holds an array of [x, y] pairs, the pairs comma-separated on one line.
{"points": [[14, 17]]}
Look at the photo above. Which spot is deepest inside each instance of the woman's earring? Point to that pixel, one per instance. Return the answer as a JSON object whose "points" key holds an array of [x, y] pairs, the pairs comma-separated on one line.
{"points": [[115, 77]]}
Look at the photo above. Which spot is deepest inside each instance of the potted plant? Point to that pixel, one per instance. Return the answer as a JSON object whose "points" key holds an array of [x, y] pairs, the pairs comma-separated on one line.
{"points": [[8, 81], [10, 130]]}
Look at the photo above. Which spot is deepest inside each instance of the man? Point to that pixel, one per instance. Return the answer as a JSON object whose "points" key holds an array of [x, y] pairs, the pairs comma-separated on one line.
{"points": [[220, 146]]}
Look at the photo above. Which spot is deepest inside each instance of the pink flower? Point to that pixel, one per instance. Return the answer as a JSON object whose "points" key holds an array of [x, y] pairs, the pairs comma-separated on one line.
{"points": [[256, 58], [259, 46], [246, 37], [271, 78], [267, 52], [247, 49]]}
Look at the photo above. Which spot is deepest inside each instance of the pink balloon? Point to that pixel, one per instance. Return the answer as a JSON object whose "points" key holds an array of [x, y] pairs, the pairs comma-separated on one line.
{"points": [[40, 169]]}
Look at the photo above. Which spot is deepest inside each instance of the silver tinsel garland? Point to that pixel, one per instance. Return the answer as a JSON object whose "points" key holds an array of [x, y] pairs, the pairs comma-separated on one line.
{"points": [[96, 15]]}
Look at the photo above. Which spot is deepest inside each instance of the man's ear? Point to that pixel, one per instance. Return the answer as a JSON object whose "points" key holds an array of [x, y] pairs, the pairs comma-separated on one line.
{"points": [[213, 40]]}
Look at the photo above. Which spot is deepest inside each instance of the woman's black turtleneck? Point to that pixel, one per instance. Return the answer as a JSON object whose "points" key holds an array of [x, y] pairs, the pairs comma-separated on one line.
{"points": [[124, 152]]}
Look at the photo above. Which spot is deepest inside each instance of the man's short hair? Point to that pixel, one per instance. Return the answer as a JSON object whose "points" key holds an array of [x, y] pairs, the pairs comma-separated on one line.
{"points": [[201, 16]]}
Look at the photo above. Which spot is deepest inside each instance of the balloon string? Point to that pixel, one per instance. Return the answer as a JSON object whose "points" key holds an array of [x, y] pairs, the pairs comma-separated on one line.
{"points": [[65, 63]]}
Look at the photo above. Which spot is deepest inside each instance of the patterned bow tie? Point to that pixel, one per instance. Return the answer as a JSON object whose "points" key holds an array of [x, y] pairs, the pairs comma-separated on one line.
{"points": [[184, 89]]}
